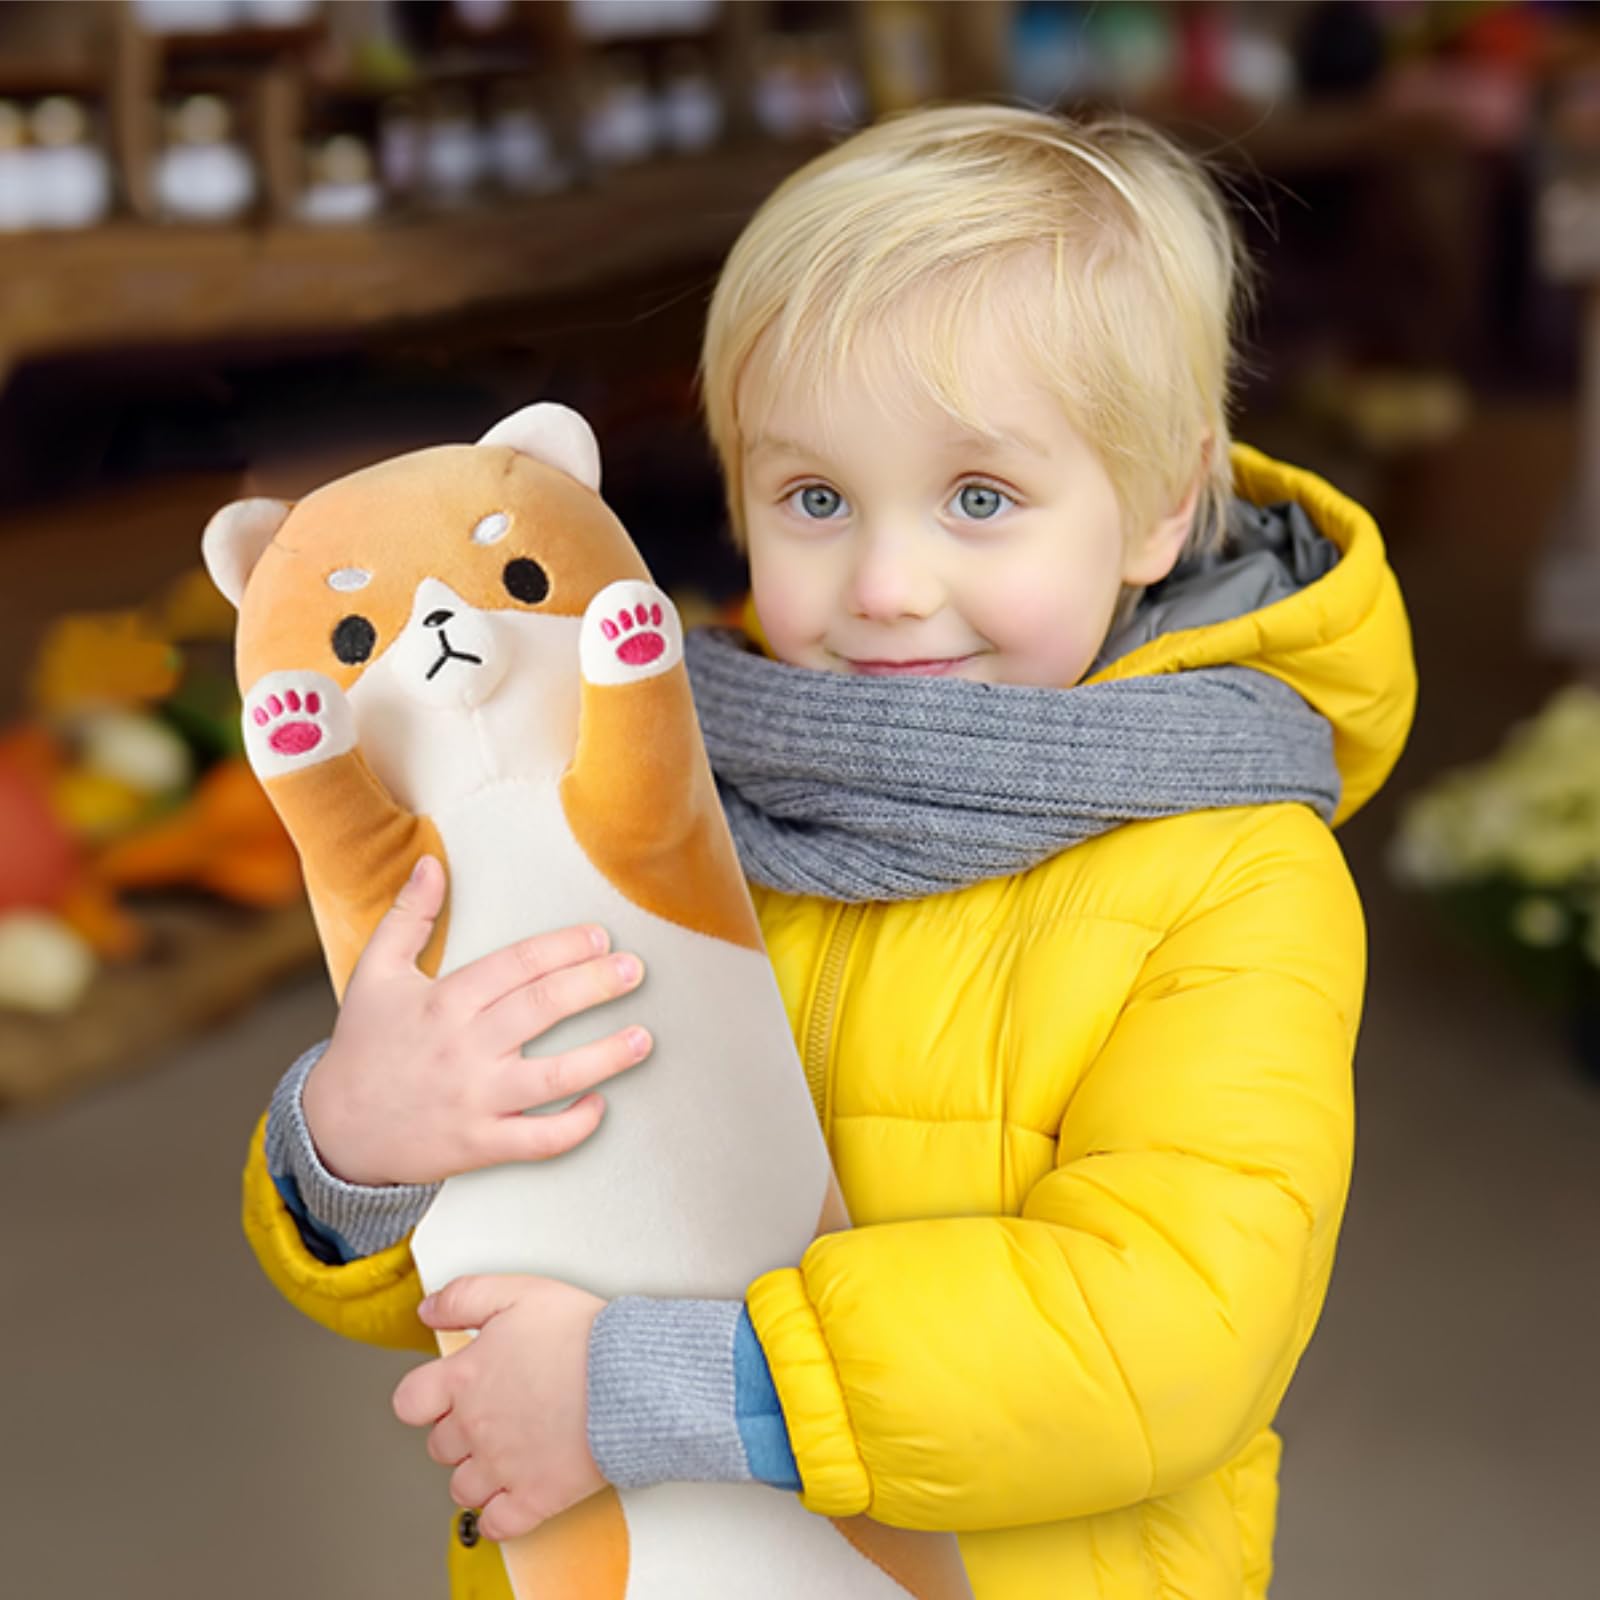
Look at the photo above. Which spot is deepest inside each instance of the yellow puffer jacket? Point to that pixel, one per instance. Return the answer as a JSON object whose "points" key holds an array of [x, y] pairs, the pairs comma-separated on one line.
{"points": [[1093, 1124]]}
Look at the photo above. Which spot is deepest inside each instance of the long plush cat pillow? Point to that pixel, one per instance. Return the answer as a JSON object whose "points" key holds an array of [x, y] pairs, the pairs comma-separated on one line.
{"points": [[460, 652]]}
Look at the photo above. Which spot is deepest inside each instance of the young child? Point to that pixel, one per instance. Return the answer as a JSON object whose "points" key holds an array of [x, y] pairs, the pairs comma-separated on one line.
{"points": [[1076, 976]]}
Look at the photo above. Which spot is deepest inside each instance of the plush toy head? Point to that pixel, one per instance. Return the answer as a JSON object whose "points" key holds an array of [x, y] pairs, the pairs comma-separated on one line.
{"points": [[510, 524], [411, 635]]}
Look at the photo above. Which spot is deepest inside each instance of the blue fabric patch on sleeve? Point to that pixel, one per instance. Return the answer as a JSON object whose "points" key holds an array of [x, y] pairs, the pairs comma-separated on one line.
{"points": [[326, 1244], [762, 1430]]}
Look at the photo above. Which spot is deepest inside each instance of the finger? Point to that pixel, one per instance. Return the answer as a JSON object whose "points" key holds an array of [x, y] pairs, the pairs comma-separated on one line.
{"points": [[504, 1517], [447, 1442], [423, 1395], [535, 1008], [543, 1080], [471, 1302], [520, 1138], [480, 983], [406, 925], [472, 1483]]}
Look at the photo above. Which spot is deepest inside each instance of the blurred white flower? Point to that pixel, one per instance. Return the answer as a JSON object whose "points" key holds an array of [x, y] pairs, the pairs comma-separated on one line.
{"points": [[1531, 813]]}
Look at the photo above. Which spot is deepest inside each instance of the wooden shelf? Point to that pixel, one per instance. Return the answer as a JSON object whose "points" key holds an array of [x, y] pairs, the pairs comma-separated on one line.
{"points": [[206, 961], [138, 284]]}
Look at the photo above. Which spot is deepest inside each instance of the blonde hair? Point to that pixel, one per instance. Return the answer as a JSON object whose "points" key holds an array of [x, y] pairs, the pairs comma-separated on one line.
{"points": [[922, 224]]}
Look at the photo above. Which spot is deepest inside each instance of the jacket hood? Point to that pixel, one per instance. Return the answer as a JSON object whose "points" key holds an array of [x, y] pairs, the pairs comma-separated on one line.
{"points": [[1303, 592]]}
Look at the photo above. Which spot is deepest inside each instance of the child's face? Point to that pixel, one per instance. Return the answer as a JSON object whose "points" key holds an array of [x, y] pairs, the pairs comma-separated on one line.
{"points": [[888, 538]]}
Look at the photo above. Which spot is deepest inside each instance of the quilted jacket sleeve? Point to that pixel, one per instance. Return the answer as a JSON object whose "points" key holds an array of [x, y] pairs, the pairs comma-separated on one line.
{"points": [[373, 1299], [1140, 1320]]}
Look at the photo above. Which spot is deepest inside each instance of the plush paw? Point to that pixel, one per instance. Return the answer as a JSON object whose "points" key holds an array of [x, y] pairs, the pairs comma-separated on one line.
{"points": [[294, 720], [631, 630]]}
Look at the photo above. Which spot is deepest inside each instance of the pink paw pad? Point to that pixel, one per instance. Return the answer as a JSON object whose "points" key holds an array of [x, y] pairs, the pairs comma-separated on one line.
{"points": [[641, 643], [290, 738]]}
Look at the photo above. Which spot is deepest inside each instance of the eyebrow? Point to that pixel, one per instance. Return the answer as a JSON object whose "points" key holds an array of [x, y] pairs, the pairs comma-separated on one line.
{"points": [[1003, 439], [776, 444], [1000, 440]]}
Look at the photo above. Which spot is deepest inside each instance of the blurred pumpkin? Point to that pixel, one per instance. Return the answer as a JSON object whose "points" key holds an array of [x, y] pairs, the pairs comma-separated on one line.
{"points": [[95, 660], [42, 867], [38, 856], [225, 838]]}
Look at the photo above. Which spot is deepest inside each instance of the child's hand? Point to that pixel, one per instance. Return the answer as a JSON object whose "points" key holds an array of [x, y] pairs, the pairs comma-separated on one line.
{"points": [[510, 1410], [424, 1078]]}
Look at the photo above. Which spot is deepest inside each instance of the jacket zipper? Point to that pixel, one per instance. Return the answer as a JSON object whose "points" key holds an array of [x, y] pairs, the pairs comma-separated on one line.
{"points": [[819, 1025]]}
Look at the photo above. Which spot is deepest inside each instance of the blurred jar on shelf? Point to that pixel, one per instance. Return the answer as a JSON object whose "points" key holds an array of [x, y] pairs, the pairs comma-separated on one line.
{"points": [[277, 13], [185, 16], [217, 16], [691, 108], [16, 170], [455, 155], [621, 123], [522, 154], [71, 171], [341, 186], [804, 88], [203, 175], [621, 19], [781, 103], [52, 173], [400, 138], [482, 16]]}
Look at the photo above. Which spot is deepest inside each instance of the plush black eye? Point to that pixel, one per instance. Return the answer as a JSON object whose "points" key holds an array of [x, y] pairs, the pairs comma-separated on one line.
{"points": [[525, 580], [353, 639]]}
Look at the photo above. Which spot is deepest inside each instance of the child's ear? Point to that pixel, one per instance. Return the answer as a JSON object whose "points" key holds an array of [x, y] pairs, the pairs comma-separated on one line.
{"points": [[234, 539], [1154, 556], [555, 435]]}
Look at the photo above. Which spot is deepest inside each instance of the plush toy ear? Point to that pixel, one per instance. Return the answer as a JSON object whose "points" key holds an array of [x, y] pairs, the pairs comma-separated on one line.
{"points": [[234, 539], [555, 435]]}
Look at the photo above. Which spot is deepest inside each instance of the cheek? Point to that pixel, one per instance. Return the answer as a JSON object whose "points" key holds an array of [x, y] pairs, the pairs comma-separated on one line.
{"points": [[1051, 612], [788, 595]]}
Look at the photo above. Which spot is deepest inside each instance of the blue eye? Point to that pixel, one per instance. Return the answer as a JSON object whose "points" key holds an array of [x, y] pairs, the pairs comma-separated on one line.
{"points": [[818, 501], [981, 501]]}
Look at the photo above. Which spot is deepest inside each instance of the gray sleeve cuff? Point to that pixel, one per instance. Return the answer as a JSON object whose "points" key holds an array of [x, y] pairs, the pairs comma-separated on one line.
{"points": [[361, 1219], [661, 1393]]}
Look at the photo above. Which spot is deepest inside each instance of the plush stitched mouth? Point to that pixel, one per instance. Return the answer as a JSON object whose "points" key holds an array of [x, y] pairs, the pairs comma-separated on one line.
{"points": [[447, 654]]}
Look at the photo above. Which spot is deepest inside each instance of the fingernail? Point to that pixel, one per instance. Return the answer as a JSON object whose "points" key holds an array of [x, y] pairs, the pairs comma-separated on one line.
{"points": [[426, 1307], [416, 871], [626, 968], [597, 938]]}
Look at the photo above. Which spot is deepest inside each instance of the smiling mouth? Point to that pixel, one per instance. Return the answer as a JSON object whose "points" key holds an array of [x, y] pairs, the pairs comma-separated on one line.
{"points": [[915, 669]]}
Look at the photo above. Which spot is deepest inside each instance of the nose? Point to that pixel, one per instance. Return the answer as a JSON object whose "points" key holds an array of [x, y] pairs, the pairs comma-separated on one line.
{"points": [[437, 619], [891, 577]]}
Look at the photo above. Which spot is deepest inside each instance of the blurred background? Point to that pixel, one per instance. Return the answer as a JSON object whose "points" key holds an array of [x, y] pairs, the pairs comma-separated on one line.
{"points": [[247, 245]]}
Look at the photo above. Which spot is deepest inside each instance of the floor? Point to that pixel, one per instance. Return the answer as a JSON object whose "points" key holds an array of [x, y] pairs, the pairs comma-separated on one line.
{"points": [[172, 1430]]}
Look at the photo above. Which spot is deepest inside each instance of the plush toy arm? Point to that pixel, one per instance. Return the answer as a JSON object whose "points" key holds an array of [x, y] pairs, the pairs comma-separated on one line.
{"points": [[357, 845], [639, 795]]}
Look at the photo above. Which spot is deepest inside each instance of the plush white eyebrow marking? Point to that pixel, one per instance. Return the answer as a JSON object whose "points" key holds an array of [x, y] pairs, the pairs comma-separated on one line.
{"points": [[349, 578], [491, 528]]}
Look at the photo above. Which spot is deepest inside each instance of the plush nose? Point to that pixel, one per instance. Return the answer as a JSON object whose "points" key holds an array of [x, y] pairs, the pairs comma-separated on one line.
{"points": [[451, 655]]}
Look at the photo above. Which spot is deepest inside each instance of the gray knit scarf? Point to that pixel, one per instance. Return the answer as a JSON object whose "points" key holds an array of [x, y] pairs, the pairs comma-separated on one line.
{"points": [[861, 788]]}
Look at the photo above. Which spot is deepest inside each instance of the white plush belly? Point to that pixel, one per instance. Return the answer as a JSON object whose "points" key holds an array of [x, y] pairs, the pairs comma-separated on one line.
{"points": [[708, 1167], [718, 1541]]}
